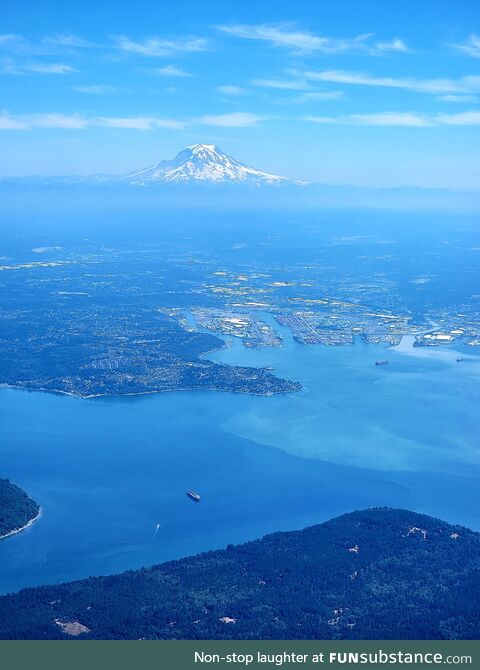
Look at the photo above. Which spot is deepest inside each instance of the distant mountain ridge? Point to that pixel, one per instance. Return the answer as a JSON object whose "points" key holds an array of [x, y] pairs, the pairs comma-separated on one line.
{"points": [[204, 175], [205, 163], [198, 164]]}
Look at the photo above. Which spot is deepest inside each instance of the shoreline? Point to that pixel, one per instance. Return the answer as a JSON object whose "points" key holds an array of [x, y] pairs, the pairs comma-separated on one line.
{"points": [[139, 393], [27, 525], [424, 351]]}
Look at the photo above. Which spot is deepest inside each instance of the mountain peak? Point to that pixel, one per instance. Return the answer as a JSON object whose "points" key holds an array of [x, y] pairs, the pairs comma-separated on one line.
{"points": [[196, 148], [204, 163]]}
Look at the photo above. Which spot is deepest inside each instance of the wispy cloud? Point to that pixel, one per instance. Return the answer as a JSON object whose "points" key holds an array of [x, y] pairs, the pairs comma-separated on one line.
{"points": [[283, 84], [156, 46], [96, 89], [9, 39], [304, 87], [290, 37], [393, 45], [379, 119], [171, 71], [49, 68], [13, 43], [9, 66], [79, 122], [461, 119], [471, 47], [320, 95], [405, 119], [457, 98], [140, 122], [462, 85], [231, 90], [390, 119], [53, 120], [233, 120], [32, 121], [8, 122], [58, 43], [68, 40]]}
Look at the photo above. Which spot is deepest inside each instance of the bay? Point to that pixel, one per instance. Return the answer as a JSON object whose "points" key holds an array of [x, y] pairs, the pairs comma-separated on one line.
{"points": [[106, 471]]}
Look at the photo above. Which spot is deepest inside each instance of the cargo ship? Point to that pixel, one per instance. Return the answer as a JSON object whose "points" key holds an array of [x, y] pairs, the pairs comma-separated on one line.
{"points": [[381, 362], [193, 496]]}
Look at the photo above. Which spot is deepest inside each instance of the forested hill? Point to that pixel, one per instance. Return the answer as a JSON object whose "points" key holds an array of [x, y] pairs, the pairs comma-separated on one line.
{"points": [[378, 573], [16, 508]]}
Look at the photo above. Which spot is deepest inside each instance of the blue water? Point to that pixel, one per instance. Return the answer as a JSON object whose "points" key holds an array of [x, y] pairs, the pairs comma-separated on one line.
{"points": [[106, 471]]}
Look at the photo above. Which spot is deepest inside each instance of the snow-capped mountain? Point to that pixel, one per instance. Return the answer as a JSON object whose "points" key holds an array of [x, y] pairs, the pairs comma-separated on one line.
{"points": [[204, 163]]}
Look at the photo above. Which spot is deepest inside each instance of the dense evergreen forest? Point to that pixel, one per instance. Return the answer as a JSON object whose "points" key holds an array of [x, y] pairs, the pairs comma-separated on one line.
{"points": [[16, 507], [373, 574]]}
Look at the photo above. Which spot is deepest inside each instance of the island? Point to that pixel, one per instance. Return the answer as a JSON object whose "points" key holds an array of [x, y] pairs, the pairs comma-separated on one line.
{"points": [[17, 510], [379, 573]]}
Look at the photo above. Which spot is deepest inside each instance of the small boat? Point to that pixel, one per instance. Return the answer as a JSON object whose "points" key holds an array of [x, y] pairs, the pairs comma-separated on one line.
{"points": [[381, 362], [193, 496], [459, 359]]}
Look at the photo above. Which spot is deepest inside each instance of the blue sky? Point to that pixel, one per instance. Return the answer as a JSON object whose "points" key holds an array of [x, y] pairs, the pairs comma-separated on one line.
{"points": [[353, 92]]}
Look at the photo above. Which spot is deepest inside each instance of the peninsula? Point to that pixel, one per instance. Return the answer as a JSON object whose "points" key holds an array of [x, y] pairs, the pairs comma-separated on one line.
{"points": [[374, 574], [17, 510]]}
